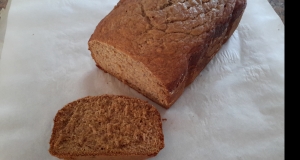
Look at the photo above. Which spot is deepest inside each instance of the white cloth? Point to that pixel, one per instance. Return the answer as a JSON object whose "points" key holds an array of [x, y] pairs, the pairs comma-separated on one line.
{"points": [[234, 110]]}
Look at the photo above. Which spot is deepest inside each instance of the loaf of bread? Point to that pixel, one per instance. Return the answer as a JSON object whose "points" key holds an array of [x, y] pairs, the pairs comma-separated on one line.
{"points": [[107, 127], [158, 47]]}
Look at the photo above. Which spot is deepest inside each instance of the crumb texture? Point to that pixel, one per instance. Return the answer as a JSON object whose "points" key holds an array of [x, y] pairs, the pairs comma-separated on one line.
{"points": [[107, 125]]}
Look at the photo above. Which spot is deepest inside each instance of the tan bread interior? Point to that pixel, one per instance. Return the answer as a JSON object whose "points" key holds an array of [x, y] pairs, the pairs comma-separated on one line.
{"points": [[133, 73]]}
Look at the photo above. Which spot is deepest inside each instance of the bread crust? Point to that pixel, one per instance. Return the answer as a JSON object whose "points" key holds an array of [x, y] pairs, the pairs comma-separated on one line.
{"points": [[174, 39]]}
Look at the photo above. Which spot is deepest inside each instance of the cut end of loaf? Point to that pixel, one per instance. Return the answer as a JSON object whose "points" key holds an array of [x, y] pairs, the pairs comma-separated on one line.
{"points": [[129, 71], [107, 126]]}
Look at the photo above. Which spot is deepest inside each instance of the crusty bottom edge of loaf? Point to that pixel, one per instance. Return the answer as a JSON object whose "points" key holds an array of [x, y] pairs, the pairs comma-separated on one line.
{"points": [[136, 157]]}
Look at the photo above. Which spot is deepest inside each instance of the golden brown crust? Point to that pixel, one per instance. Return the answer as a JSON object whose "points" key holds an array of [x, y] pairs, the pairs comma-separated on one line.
{"points": [[62, 146], [174, 39]]}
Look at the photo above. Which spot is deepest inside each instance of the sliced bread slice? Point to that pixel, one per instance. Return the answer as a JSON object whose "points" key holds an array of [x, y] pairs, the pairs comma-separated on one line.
{"points": [[107, 127]]}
